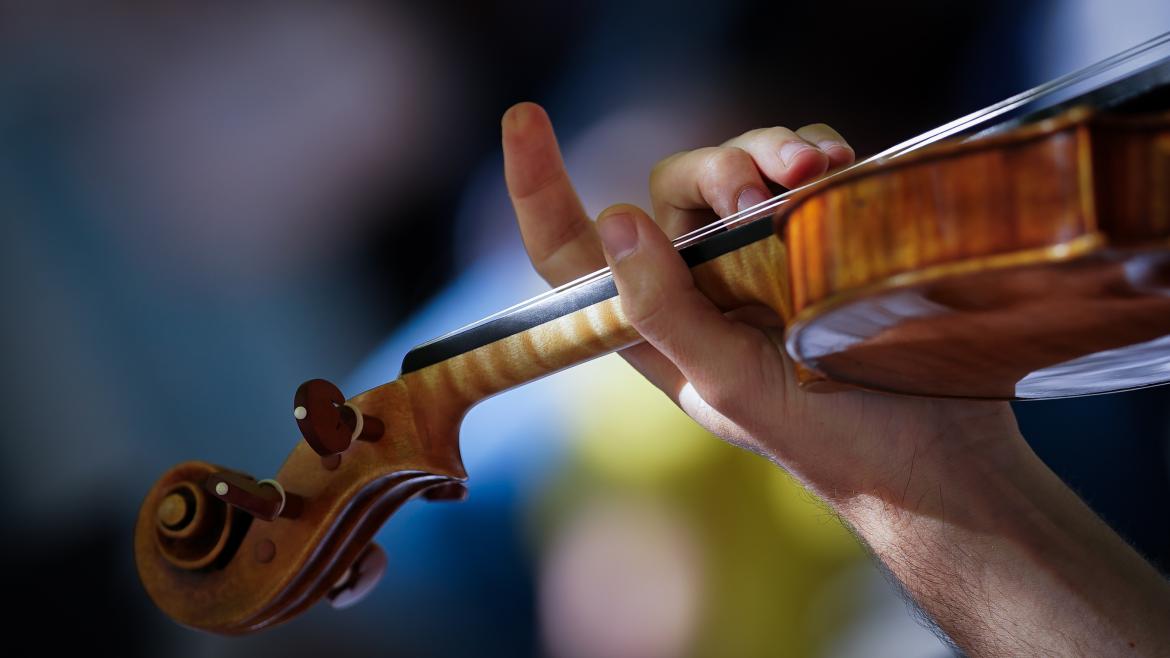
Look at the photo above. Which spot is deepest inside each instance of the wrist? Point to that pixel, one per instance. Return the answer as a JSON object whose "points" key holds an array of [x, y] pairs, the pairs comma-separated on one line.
{"points": [[977, 481], [916, 462]]}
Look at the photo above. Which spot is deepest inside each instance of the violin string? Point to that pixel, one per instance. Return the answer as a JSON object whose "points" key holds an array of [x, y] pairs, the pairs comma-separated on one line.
{"points": [[935, 135], [903, 148]]}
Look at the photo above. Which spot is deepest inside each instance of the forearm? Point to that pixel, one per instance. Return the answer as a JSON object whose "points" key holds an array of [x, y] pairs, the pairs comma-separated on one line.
{"points": [[985, 538], [1008, 561]]}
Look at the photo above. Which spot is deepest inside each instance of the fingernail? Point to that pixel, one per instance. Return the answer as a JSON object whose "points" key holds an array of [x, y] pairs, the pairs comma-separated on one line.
{"points": [[750, 196], [829, 145], [618, 234], [516, 115], [790, 150]]}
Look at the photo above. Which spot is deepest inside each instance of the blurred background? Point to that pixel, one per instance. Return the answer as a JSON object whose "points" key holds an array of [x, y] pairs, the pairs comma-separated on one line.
{"points": [[205, 204]]}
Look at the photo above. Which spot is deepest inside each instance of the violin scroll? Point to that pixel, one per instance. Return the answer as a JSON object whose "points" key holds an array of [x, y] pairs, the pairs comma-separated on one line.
{"points": [[192, 530], [224, 552]]}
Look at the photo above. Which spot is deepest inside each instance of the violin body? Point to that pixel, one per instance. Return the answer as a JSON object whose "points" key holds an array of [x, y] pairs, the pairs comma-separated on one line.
{"points": [[1030, 263]]}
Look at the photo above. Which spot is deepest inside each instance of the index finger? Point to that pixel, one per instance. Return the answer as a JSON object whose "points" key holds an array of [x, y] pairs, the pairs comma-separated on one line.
{"points": [[561, 240], [559, 237]]}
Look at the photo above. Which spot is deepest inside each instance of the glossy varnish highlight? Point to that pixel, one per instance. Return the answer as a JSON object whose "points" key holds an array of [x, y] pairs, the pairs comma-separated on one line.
{"points": [[984, 269], [965, 202]]}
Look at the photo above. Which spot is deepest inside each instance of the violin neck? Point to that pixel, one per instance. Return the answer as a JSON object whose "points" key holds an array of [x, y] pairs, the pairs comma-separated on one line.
{"points": [[744, 266]]}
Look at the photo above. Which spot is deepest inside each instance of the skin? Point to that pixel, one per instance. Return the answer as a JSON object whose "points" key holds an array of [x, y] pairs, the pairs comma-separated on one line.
{"points": [[988, 542]]}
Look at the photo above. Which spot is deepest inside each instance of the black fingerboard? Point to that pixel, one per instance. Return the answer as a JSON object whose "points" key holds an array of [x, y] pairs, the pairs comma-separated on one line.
{"points": [[568, 301]]}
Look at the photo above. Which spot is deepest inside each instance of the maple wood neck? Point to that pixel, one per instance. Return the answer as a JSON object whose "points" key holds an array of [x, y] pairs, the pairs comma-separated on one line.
{"points": [[742, 266]]}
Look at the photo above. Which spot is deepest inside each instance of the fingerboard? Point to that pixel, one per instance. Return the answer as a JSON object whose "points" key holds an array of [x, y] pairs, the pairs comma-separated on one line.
{"points": [[546, 308]]}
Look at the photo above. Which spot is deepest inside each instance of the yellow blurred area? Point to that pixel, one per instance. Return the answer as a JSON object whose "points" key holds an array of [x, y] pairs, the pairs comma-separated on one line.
{"points": [[771, 556], [630, 431]]}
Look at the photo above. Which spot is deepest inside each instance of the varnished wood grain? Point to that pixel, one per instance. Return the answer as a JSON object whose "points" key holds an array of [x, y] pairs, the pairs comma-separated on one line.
{"points": [[993, 197], [1131, 176], [442, 393], [976, 269], [342, 510]]}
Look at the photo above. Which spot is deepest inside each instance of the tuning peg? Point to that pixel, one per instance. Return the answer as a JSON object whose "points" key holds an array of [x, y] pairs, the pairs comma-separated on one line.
{"points": [[264, 499], [360, 578], [329, 423]]}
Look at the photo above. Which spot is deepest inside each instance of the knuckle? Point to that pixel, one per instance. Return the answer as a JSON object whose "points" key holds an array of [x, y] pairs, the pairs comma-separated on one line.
{"points": [[723, 162], [766, 133], [665, 171], [552, 245], [664, 165], [725, 158], [647, 313], [776, 134]]}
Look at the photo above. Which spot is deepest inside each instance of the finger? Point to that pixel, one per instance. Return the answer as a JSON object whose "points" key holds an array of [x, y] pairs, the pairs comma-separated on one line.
{"points": [[782, 155], [830, 142], [561, 241], [656, 368], [659, 298], [559, 238], [684, 188]]}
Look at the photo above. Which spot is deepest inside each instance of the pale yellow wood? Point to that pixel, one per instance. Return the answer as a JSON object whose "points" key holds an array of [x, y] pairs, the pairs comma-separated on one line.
{"points": [[443, 392]]}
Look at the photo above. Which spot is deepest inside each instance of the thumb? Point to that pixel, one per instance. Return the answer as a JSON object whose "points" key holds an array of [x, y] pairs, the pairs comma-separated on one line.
{"points": [[659, 298]]}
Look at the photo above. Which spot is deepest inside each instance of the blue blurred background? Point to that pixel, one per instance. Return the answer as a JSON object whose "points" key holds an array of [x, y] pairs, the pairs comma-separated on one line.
{"points": [[205, 204]]}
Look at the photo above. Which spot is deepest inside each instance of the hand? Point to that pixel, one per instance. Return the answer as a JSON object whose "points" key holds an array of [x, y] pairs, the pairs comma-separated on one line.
{"points": [[732, 377], [1015, 564]]}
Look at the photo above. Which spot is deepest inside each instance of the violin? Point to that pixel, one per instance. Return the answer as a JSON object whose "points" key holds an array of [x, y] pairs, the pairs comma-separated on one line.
{"points": [[1020, 252]]}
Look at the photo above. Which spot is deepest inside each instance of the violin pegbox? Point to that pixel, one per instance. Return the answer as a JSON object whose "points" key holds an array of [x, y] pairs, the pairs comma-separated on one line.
{"points": [[222, 551]]}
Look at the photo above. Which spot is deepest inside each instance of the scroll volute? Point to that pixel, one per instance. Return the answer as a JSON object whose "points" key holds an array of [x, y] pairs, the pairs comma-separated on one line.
{"points": [[211, 562]]}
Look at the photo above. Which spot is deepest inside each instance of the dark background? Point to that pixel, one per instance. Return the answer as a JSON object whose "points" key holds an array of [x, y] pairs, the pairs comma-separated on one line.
{"points": [[206, 203]]}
